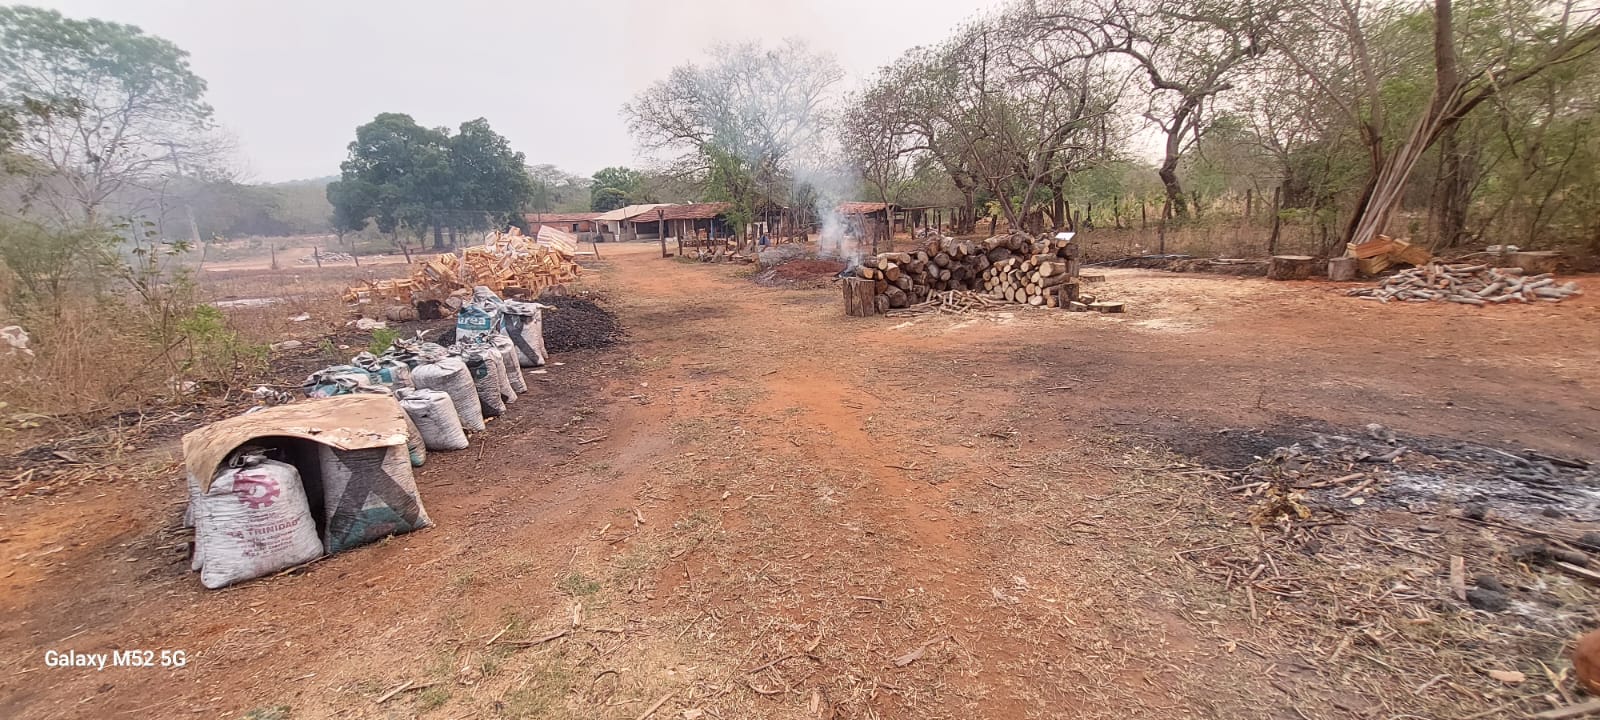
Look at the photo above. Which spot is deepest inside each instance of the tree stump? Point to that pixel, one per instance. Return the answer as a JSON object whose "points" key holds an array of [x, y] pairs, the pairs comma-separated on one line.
{"points": [[1536, 262], [859, 300], [1290, 267], [1066, 294], [1342, 269]]}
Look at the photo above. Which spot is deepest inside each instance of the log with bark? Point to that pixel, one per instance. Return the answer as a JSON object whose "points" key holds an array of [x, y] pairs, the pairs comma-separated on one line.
{"points": [[859, 300], [1290, 267], [1011, 268], [1342, 269], [1464, 284]]}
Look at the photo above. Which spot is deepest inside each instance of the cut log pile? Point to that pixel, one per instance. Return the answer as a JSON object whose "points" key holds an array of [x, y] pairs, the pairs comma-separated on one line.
{"points": [[1468, 285], [1012, 268], [509, 263]]}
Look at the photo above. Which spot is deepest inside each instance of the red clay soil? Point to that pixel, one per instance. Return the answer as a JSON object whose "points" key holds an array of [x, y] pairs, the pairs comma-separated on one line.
{"points": [[803, 272], [758, 508]]}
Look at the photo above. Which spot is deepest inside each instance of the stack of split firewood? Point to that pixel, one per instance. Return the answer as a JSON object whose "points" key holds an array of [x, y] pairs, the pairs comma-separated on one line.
{"points": [[509, 263], [1468, 285], [1015, 268]]}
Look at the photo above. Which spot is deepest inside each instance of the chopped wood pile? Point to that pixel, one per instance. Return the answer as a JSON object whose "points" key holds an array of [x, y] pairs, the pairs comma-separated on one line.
{"points": [[1382, 252], [1012, 268], [322, 257], [963, 302], [509, 263], [1468, 285]]}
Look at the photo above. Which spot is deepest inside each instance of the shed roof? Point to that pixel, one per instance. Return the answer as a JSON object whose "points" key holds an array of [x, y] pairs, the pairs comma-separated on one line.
{"points": [[561, 217], [623, 213], [691, 211], [861, 208]]}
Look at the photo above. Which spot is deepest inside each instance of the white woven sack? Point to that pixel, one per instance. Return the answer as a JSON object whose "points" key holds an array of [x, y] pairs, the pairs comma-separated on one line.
{"points": [[435, 417], [450, 375], [524, 324], [253, 521], [508, 355], [483, 362]]}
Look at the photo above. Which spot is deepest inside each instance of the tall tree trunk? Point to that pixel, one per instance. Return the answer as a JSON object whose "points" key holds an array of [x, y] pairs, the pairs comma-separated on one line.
{"points": [[1452, 192], [1384, 190], [1176, 202]]}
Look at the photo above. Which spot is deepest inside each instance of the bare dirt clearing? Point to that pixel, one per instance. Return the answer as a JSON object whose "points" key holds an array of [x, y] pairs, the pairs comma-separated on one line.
{"points": [[759, 508]]}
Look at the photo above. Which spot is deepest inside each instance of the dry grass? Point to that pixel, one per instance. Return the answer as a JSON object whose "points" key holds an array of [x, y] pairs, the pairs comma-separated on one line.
{"points": [[97, 366]]}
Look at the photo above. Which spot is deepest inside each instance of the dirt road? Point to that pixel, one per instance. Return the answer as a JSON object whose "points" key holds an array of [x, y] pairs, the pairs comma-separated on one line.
{"points": [[758, 508]]}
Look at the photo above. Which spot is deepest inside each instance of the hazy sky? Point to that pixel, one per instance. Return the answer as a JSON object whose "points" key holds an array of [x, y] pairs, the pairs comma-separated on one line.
{"points": [[291, 79]]}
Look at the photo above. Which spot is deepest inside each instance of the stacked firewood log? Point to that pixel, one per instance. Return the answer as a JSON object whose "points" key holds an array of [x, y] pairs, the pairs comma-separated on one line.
{"points": [[1015, 268], [509, 263], [1468, 285]]}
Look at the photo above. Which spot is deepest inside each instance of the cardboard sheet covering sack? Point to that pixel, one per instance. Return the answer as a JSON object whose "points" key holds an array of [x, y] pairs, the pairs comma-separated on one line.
{"points": [[345, 422]]}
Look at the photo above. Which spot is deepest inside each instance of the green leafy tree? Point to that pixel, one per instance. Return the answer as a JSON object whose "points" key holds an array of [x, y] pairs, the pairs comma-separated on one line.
{"points": [[398, 174], [403, 176], [607, 199], [490, 180], [104, 107], [49, 264], [616, 187]]}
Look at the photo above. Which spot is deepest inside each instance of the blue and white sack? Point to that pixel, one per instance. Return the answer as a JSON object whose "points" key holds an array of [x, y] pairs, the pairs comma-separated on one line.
{"points": [[524, 324]]}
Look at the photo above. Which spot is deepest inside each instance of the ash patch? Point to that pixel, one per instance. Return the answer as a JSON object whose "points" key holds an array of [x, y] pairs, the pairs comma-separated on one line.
{"points": [[1228, 447], [1338, 473]]}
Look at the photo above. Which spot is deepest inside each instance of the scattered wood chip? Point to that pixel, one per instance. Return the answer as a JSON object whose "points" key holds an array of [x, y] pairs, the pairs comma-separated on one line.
{"points": [[762, 691], [657, 706], [916, 653], [498, 634], [593, 440], [910, 657], [1570, 711], [768, 664], [538, 641], [1582, 572], [402, 687], [1458, 577], [1509, 677]]}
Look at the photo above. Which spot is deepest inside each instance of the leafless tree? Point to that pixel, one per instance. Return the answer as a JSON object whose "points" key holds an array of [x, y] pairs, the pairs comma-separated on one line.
{"points": [[736, 123], [1189, 52]]}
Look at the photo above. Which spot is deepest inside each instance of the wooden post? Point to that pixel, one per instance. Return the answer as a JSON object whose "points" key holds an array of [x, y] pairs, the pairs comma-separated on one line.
{"points": [[1272, 240], [1161, 232], [859, 298], [316, 254], [661, 230]]}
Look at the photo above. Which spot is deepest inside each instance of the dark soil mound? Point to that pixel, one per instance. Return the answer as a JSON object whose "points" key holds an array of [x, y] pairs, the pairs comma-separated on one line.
{"points": [[573, 323], [578, 324], [801, 272]]}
